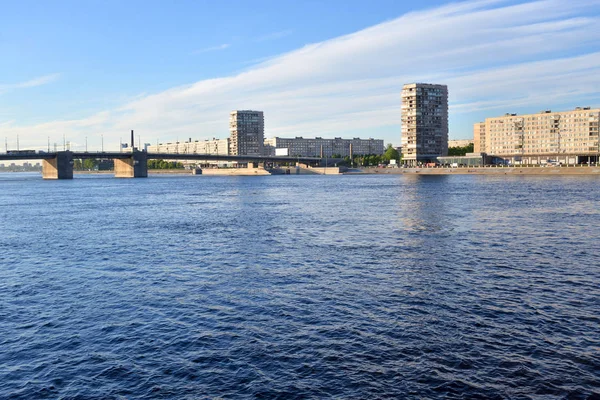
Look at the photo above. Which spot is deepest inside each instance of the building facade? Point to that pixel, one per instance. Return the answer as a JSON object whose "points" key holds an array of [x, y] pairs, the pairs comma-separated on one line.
{"points": [[569, 137], [247, 132], [424, 122], [459, 143], [213, 146], [479, 137], [319, 147]]}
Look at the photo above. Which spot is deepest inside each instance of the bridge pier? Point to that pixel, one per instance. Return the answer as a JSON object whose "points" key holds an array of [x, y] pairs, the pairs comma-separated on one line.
{"points": [[60, 167], [135, 166]]}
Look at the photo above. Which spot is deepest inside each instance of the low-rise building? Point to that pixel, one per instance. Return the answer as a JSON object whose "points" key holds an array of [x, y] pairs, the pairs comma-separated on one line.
{"points": [[568, 137], [212, 147], [459, 142], [320, 147]]}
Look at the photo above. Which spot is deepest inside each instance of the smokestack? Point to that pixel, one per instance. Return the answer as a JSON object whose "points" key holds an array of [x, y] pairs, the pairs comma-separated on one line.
{"points": [[132, 138]]}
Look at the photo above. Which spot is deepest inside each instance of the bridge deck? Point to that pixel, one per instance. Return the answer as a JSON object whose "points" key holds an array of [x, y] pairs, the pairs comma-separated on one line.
{"points": [[159, 156]]}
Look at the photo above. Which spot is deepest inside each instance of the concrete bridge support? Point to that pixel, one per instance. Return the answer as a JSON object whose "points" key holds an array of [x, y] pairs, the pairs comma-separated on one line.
{"points": [[60, 167], [135, 166]]}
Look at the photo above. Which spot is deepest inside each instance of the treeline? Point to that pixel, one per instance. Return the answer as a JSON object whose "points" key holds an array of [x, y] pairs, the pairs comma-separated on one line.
{"points": [[89, 164], [162, 164], [460, 151], [375, 159]]}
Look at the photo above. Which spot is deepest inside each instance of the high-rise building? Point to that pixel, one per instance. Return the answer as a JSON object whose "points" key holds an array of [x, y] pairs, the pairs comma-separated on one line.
{"points": [[247, 132], [569, 137], [424, 122]]}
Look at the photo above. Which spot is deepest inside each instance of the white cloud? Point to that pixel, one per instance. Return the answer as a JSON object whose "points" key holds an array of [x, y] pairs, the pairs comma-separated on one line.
{"points": [[39, 81], [493, 56], [274, 35], [213, 48]]}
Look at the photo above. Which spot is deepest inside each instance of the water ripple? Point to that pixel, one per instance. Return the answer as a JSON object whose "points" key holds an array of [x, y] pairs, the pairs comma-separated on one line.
{"points": [[299, 287]]}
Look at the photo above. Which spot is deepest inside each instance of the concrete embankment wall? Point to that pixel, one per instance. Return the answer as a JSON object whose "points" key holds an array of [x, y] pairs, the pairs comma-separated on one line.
{"points": [[584, 170], [234, 171], [320, 171]]}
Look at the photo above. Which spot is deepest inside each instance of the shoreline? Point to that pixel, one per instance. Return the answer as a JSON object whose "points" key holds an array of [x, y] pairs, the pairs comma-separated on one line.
{"points": [[538, 171], [481, 171]]}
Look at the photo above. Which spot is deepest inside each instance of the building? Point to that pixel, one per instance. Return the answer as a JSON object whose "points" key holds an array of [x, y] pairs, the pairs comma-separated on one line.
{"points": [[459, 143], [424, 122], [569, 137], [319, 147], [479, 137], [212, 146], [247, 132]]}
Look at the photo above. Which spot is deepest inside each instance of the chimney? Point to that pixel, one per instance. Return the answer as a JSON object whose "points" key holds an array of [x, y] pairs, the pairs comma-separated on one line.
{"points": [[132, 139]]}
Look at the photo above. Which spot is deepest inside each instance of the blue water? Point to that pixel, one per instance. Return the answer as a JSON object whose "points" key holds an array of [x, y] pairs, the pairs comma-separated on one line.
{"points": [[294, 287]]}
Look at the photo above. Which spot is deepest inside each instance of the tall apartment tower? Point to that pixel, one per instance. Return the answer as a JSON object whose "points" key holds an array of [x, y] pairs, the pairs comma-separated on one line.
{"points": [[247, 132], [424, 122]]}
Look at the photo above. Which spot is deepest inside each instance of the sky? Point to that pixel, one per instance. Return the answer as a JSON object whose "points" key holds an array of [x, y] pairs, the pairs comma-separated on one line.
{"points": [[91, 71]]}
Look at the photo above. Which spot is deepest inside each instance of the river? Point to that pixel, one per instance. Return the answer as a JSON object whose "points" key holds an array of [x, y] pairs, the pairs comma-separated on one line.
{"points": [[293, 287]]}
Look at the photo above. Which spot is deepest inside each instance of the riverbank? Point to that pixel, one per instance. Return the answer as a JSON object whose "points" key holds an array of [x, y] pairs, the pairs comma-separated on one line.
{"points": [[584, 170]]}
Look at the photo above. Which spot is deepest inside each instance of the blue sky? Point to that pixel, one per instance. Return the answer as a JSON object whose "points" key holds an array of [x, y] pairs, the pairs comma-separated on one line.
{"points": [[173, 70]]}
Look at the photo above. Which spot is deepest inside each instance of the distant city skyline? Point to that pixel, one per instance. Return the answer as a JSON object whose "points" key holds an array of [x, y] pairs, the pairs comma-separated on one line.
{"points": [[90, 70]]}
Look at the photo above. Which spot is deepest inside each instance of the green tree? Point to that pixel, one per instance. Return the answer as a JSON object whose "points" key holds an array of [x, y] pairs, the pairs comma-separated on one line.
{"points": [[391, 153], [89, 164], [460, 151]]}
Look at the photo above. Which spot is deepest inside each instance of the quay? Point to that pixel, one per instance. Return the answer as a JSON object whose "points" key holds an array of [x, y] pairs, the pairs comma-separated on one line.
{"points": [[490, 170]]}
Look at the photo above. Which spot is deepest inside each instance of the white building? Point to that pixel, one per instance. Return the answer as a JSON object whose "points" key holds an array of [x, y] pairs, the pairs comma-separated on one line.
{"points": [[319, 147]]}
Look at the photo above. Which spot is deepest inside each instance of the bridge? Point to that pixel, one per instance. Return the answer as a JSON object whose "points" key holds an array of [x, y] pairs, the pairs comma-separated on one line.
{"points": [[133, 164]]}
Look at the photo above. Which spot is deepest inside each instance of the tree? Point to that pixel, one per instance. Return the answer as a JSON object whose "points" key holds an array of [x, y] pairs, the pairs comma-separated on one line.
{"points": [[89, 164], [460, 151], [391, 154]]}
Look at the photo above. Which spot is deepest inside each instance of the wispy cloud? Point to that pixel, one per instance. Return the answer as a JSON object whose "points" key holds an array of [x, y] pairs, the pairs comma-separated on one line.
{"points": [[39, 81], [213, 48], [274, 35], [494, 56]]}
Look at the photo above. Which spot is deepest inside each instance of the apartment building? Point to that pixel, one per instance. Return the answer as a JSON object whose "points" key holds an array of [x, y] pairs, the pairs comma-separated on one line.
{"points": [[479, 137], [568, 137], [212, 146], [459, 143], [319, 147], [424, 122], [247, 132]]}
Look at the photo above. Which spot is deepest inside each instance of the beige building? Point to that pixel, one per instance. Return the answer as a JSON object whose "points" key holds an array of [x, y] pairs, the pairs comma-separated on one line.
{"points": [[319, 147], [479, 137], [459, 142], [569, 137], [213, 146], [247, 132], [424, 122]]}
